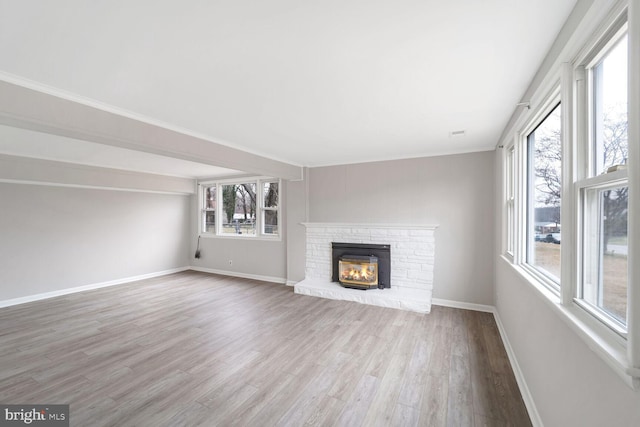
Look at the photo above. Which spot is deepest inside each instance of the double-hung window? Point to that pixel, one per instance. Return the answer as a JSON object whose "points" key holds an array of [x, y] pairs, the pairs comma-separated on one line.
{"points": [[574, 158], [269, 209], [209, 206], [241, 208], [603, 187], [510, 200], [543, 194]]}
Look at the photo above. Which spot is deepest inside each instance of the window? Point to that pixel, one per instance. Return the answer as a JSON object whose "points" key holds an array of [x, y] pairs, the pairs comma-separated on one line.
{"points": [[247, 208], [604, 284], [209, 210], [270, 208], [544, 186], [239, 209], [568, 192], [609, 115], [510, 199], [604, 191]]}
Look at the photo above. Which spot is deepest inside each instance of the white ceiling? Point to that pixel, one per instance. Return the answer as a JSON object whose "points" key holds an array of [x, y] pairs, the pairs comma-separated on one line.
{"points": [[308, 83]]}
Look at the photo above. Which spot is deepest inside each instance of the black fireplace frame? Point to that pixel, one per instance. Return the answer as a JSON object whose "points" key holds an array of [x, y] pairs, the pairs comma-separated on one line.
{"points": [[382, 252]]}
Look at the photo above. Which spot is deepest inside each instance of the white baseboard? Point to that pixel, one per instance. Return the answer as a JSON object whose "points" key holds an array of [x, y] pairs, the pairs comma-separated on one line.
{"points": [[292, 282], [522, 384], [279, 280], [52, 294], [462, 305]]}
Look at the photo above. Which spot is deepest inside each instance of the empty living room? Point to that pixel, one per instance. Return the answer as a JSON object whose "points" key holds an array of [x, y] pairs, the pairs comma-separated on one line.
{"points": [[285, 213]]}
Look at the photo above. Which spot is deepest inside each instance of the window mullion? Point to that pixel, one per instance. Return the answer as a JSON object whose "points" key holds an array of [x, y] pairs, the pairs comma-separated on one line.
{"points": [[568, 267]]}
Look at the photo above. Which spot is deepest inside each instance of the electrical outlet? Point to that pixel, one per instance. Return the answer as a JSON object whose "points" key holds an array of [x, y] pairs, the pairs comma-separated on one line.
{"points": [[230, 262]]}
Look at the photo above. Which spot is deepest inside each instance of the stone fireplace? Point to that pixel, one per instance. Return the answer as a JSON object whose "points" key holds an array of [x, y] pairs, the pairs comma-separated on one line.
{"points": [[410, 264]]}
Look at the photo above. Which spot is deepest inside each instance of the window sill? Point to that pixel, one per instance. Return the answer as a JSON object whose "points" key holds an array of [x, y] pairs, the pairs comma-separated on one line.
{"points": [[241, 237], [608, 345]]}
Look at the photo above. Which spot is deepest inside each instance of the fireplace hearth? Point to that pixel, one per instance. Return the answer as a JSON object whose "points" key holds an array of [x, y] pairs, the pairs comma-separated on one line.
{"points": [[361, 266]]}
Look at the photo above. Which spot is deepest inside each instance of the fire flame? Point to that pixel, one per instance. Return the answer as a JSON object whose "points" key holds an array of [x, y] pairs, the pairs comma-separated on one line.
{"points": [[361, 274]]}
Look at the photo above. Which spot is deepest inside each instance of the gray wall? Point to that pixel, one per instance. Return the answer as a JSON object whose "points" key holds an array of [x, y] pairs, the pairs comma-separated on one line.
{"points": [[52, 238], [569, 383], [454, 192], [262, 259]]}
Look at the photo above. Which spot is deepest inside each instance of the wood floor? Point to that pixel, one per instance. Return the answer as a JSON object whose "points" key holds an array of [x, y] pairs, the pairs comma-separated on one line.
{"points": [[198, 349]]}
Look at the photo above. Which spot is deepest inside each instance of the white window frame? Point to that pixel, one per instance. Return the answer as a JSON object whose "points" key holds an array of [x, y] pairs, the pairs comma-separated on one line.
{"points": [[586, 178], [263, 209], [509, 177], [620, 351], [260, 208], [522, 171], [610, 180]]}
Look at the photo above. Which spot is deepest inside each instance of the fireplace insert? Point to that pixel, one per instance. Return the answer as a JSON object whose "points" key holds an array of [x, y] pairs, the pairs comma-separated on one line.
{"points": [[361, 266], [358, 271]]}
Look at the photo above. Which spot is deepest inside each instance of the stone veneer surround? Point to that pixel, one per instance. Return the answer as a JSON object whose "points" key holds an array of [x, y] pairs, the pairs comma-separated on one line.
{"points": [[412, 261]]}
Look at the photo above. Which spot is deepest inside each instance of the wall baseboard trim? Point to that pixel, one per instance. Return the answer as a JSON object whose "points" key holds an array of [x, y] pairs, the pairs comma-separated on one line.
{"points": [[292, 282], [279, 280], [463, 305], [67, 291], [522, 384]]}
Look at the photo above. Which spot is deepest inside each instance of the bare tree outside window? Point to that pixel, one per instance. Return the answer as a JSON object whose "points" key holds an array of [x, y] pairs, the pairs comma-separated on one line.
{"points": [[245, 209], [270, 208], [544, 187], [606, 204]]}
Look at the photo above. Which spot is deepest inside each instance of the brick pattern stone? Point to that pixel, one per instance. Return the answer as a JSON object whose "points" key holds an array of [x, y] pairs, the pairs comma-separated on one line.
{"points": [[412, 251]]}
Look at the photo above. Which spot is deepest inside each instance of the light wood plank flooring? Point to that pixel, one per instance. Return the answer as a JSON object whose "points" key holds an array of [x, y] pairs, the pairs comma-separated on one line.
{"points": [[199, 349]]}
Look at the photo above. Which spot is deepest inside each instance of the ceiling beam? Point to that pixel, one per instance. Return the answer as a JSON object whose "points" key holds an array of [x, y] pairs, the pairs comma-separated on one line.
{"points": [[23, 170], [31, 109]]}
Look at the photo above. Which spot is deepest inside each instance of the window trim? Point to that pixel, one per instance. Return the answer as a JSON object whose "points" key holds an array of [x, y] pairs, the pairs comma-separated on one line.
{"points": [[509, 177], [612, 38], [597, 183], [620, 354], [552, 101], [259, 181], [587, 169], [262, 208]]}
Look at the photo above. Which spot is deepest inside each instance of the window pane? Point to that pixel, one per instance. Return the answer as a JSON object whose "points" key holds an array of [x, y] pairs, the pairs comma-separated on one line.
{"points": [[510, 200], [605, 258], [544, 187], [610, 109], [239, 209], [270, 215], [209, 225], [270, 194], [510, 173]]}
